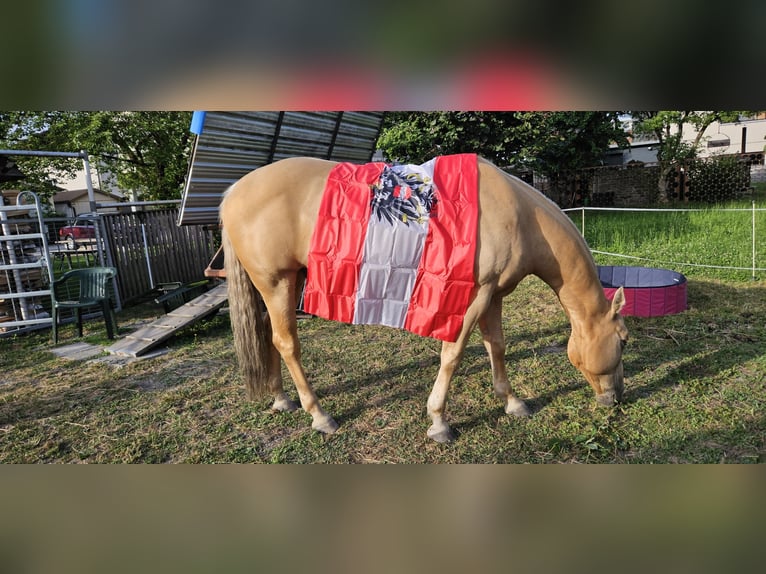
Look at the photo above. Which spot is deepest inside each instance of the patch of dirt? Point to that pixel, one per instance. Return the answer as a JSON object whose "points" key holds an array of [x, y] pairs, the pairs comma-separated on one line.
{"points": [[149, 385], [552, 349]]}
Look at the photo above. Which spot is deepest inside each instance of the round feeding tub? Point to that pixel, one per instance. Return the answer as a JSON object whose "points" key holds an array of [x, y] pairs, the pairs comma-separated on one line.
{"points": [[648, 292]]}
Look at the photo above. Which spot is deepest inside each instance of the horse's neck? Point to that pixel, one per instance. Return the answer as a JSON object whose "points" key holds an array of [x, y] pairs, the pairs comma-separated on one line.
{"points": [[582, 298], [572, 274], [558, 254]]}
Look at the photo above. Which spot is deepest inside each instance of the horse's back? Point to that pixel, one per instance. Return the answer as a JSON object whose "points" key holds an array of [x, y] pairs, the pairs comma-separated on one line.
{"points": [[270, 213], [287, 180]]}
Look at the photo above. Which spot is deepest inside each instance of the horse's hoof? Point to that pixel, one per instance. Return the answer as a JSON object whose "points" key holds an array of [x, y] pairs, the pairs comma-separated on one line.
{"points": [[441, 434], [284, 405], [517, 408], [607, 399], [325, 425]]}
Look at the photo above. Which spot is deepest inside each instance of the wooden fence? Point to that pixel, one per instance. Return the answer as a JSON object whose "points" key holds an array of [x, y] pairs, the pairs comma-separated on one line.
{"points": [[149, 249]]}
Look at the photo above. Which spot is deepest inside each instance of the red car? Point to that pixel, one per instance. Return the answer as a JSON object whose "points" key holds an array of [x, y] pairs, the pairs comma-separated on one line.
{"points": [[82, 228]]}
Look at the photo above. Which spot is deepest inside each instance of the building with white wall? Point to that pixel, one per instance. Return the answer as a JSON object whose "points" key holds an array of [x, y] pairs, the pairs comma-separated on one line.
{"points": [[745, 136], [100, 179], [748, 135]]}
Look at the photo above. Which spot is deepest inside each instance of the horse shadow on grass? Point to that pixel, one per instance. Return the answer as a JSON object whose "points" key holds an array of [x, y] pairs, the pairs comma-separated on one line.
{"points": [[727, 321], [718, 333], [420, 373]]}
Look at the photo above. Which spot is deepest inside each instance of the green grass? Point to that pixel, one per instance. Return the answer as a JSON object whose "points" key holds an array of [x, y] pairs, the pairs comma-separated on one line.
{"points": [[695, 392], [671, 239]]}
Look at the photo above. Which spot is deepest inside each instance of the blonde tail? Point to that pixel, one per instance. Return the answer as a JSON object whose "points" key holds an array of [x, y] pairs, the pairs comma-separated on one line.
{"points": [[252, 334]]}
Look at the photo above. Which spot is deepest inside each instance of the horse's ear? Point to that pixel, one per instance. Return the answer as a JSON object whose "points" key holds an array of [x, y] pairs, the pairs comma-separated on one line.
{"points": [[618, 302]]}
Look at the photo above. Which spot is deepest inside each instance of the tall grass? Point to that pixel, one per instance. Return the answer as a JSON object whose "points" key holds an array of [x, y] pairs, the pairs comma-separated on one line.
{"points": [[694, 242]]}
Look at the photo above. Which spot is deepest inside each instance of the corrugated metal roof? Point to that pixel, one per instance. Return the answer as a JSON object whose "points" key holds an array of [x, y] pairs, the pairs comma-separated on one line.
{"points": [[231, 144]]}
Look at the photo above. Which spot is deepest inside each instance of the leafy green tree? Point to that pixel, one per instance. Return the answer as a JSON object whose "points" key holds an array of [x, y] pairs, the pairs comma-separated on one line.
{"points": [[147, 151], [549, 142], [668, 128], [559, 143], [27, 131], [416, 137]]}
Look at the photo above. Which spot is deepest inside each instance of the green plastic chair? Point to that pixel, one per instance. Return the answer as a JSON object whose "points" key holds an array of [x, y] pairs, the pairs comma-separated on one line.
{"points": [[82, 289]]}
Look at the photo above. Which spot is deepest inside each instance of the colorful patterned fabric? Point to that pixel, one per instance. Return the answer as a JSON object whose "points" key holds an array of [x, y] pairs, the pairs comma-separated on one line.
{"points": [[395, 245]]}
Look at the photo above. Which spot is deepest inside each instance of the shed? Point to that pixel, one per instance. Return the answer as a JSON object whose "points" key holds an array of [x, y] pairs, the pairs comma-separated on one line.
{"points": [[228, 145], [75, 202]]}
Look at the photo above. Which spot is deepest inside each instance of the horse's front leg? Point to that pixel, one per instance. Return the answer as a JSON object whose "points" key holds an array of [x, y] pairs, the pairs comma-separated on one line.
{"points": [[494, 341], [450, 358], [437, 400]]}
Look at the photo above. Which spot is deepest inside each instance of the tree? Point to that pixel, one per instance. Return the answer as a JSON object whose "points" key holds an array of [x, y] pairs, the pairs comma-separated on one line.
{"points": [[25, 131], [668, 128], [147, 151], [559, 143], [550, 142], [554, 144], [416, 137]]}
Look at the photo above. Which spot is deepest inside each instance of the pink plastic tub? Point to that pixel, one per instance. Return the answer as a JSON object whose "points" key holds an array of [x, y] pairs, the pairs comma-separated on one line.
{"points": [[648, 292]]}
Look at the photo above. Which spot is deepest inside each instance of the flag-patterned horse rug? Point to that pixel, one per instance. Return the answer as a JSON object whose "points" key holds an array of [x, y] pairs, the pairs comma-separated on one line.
{"points": [[395, 245]]}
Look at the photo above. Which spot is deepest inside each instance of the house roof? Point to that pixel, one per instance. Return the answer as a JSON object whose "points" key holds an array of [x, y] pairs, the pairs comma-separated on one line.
{"points": [[75, 194]]}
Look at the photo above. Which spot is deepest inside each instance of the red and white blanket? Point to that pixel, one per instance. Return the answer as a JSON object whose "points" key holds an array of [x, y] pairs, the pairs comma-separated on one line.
{"points": [[395, 245]]}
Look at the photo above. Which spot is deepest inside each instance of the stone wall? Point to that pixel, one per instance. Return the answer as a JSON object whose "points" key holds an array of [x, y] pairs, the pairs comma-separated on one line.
{"points": [[618, 186], [758, 174], [609, 186], [708, 180]]}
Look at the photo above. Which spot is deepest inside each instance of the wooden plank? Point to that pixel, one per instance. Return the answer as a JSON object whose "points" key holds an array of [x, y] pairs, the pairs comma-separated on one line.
{"points": [[165, 327]]}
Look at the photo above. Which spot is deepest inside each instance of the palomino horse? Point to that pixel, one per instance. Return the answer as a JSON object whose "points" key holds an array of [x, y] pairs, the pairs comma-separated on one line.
{"points": [[268, 219]]}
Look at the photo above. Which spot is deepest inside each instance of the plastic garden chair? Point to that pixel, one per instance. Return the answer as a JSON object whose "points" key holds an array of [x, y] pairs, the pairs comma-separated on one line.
{"points": [[82, 289]]}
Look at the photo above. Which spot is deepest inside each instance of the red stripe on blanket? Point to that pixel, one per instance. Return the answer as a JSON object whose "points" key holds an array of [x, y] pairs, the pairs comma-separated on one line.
{"points": [[337, 243], [445, 278]]}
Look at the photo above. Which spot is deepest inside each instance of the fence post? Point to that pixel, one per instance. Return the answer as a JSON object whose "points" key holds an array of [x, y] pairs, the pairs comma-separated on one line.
{"points": [[753, 239], [146, 253]]}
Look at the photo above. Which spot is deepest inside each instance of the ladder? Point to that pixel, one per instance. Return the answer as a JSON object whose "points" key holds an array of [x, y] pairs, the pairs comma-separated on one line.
{"points": [[26, 271]]}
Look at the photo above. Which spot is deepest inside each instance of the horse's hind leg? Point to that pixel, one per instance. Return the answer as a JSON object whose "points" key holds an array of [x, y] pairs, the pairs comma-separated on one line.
{"points": [[281, 402], [279, 298], [494, 341]]}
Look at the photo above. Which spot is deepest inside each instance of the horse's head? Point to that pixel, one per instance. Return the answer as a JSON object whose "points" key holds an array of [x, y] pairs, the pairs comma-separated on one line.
{"points": [[596, 350]]}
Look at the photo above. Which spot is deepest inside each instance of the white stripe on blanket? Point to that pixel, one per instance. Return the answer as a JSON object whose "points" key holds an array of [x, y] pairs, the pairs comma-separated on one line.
{"points": [[392, 253]]}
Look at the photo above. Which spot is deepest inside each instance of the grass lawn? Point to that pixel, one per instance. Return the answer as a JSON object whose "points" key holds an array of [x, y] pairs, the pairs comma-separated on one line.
{"points": [[695, 392], [706, 239]]}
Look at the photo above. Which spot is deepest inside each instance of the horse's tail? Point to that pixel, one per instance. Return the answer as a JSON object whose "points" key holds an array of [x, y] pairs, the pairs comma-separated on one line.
{"points": [[252, 333]]}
